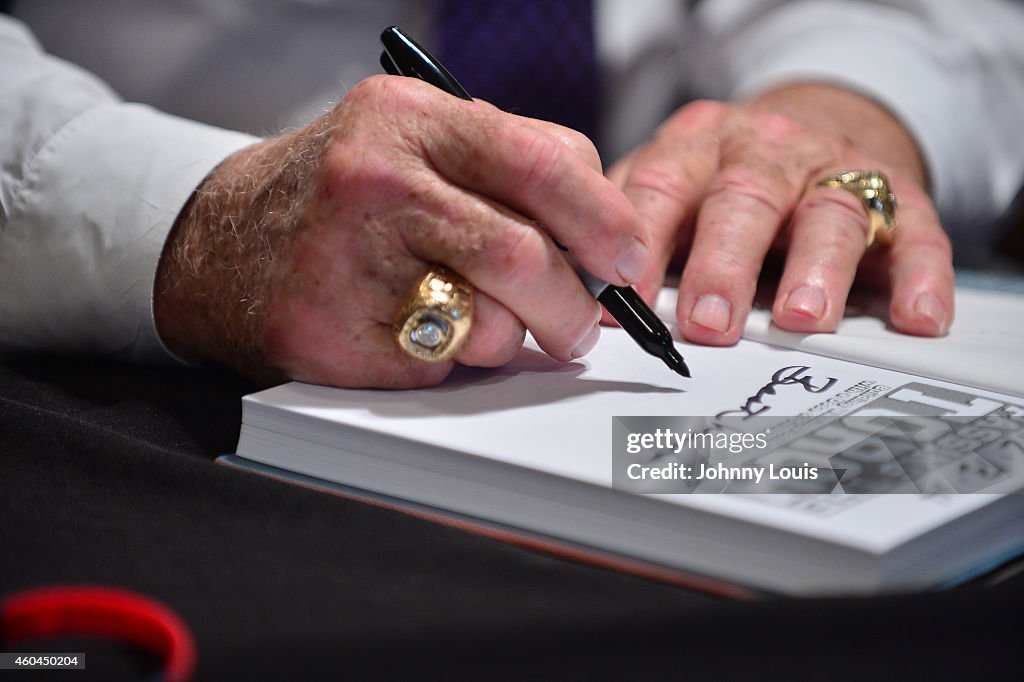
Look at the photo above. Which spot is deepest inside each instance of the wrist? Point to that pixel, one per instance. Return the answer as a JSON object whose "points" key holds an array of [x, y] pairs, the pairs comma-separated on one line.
{"points": [[207, 293]]}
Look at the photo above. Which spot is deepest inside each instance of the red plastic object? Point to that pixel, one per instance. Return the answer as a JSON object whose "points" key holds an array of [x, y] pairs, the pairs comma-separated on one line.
{"points": [[101, 612]]}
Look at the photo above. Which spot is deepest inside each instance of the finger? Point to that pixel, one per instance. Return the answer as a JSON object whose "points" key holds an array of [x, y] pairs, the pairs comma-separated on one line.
{"points": [[828, 236], [497, 155], [332, 322], [507, 258], [921, 267], [584, 148], [336, 324], [495, 336], [576, 141], [738, 220], [316, 355], [665, 183], [617, 174]]}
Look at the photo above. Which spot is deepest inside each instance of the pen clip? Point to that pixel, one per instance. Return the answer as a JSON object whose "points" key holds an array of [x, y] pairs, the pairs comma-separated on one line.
{"points": [[408, 58]]}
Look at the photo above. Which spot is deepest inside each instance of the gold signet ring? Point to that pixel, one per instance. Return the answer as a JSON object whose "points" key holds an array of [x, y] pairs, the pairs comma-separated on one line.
{"points": [[435, 320], [872, 188]]}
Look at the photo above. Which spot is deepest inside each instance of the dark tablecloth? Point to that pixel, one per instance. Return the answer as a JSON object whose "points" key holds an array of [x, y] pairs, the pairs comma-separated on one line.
{"points": [[108, 477]]}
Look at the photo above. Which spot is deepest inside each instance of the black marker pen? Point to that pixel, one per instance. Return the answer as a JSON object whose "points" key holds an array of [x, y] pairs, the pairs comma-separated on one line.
{"points": [[402, 56]]}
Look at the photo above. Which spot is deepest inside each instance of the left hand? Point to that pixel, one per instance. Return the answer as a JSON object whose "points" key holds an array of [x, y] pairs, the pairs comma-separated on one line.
{"points": [[730, 180]]}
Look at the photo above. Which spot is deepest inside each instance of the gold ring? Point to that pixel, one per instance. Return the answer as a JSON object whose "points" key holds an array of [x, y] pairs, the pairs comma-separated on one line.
{"points": [[434, 322], [872, 188]]}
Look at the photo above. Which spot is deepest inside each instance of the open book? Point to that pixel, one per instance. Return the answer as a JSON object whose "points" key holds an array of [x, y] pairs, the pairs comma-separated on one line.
{"points": [[872, 479]]}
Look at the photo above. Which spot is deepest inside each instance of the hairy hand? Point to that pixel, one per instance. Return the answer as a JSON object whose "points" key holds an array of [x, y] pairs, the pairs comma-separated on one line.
{"points": [[295, 254], [728, 181]]}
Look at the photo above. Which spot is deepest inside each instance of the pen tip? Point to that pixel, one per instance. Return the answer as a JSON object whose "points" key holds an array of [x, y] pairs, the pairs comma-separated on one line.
{"points": [[676, 363]]}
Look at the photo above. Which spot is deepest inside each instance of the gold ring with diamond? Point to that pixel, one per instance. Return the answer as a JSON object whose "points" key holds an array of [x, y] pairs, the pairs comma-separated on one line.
{"points": [[872, 188], [434, 322]]}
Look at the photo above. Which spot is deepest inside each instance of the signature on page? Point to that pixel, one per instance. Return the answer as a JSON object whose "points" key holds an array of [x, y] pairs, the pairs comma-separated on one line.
{"points": [[794, 375]]}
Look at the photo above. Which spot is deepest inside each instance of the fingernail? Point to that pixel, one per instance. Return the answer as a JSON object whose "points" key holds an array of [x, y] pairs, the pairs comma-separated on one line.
{"points": [[807, 301], [712, 311], [928, 305], [633, 261], [588, 342]]}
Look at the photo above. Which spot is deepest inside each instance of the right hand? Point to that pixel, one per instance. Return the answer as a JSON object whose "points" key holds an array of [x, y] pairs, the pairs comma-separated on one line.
{"points": [[295, 254]]}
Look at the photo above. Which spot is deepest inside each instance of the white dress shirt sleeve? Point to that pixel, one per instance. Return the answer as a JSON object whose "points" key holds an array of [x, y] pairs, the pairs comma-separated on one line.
{"points": [[953, 72], [89, 190]]}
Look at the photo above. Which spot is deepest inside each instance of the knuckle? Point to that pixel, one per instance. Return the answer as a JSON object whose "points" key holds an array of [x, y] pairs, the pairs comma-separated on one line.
{"points": [[368, 92], [661, 177], [843, 208], [518, 253], [759, 185], [935, 244], [382, 111], [722, 268], [364, 88], [775, 127], [537, 157], [693, 114], [375, 90], [756, 175], [574, 142]]}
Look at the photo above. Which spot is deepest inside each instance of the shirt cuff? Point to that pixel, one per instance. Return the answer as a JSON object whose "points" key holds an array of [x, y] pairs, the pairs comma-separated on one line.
{"points": [[887, 55], [85, 230]]}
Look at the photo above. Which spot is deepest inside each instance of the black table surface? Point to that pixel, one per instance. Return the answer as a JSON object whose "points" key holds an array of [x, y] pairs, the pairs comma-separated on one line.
{"points": [[108, 477]]}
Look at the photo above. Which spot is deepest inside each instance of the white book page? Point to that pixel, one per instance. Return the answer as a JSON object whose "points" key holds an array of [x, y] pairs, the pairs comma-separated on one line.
{"points": [[557, 418], [984, 347]]}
